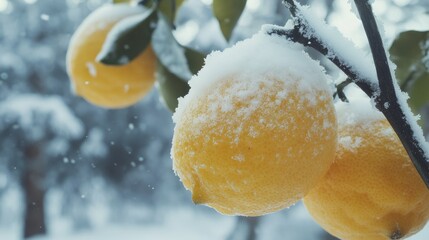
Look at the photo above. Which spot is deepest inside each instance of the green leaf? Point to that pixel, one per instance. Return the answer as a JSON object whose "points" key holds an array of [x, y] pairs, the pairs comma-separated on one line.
{"points": [[227, 12], [128, 38], [170, 86], [168, 51], [419, 92], [169, 9], [195, 60], [121, 1], [407, 53]]}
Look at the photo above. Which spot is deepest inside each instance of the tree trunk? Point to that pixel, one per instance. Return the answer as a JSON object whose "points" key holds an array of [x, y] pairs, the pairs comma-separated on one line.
{"points": [[245, 229], [34, 193]]}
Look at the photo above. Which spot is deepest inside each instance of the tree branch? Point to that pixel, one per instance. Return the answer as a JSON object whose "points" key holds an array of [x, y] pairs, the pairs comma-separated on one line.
{"points": [[385, 94], [388, 102], [296, 35]]}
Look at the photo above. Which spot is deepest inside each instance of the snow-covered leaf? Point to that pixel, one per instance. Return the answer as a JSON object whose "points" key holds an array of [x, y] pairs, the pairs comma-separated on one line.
{"points": [[128, 38], [168, 51]]}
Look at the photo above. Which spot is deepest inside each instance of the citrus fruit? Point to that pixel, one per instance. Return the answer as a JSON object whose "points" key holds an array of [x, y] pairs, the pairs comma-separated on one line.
{"points": [[257, 129], [372, 191], [106, 85]]}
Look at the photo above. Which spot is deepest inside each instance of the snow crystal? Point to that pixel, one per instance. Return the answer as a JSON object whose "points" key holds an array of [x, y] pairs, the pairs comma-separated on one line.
{"points": [[239, 157], [350, 143], [255, 61], [24, 107], [45, 17], [126, 88]]}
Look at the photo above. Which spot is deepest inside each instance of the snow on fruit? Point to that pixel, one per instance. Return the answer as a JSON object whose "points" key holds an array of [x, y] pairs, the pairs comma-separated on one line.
{"points": [[372, 191], [257, 130]]}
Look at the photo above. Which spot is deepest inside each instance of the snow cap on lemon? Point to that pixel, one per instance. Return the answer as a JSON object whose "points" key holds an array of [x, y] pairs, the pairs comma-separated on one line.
{"points": [[257, 129]]}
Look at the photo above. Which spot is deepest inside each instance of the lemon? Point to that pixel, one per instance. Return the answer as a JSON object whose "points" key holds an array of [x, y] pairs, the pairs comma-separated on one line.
{"points": [[372, 191], [251, 141], [105, 85]]}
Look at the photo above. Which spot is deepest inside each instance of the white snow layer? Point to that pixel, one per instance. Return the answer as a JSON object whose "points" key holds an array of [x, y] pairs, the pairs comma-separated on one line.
{"points": [[361, 63], [257, 59], [358, 111], [24, 107]]}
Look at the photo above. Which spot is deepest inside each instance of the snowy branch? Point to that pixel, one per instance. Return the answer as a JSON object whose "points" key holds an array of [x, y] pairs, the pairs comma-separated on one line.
{"points": [[390, 102], [381, 87], [296, 35]]}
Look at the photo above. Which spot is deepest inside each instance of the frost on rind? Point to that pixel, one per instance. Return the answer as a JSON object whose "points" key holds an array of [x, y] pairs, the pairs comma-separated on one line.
{"points": [[260, 55]]}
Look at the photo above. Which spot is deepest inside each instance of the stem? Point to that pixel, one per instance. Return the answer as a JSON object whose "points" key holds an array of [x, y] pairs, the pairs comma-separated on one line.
{"points": [[340, 90], [393, 111], [384, 94]]}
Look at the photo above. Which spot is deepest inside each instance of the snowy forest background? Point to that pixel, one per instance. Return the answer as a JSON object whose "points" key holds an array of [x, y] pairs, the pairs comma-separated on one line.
{"points": [[78, 171]]}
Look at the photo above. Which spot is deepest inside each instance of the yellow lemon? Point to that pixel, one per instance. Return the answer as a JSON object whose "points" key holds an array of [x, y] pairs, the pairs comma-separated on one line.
{"points": [[250, 141], [372, 191], [104, 85]]}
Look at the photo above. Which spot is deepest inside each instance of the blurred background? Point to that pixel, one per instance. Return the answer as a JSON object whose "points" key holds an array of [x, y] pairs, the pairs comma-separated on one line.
{"points": [[71, 170]]}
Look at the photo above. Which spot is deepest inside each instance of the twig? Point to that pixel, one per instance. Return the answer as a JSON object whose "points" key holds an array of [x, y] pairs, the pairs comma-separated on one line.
{"points": [[340, 89]]}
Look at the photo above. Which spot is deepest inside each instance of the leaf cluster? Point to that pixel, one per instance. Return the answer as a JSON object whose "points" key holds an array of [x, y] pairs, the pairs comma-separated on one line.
{"points": [[153, 27]]}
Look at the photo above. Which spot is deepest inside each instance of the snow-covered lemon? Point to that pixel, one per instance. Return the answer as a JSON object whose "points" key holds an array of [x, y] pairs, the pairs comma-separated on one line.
{"points": [[257, 130], [103, 85], [372, 191]]}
